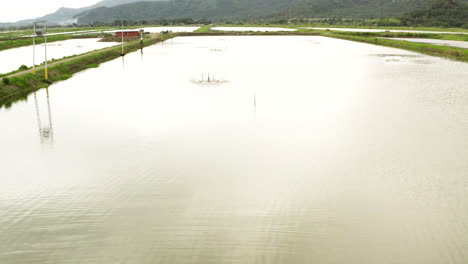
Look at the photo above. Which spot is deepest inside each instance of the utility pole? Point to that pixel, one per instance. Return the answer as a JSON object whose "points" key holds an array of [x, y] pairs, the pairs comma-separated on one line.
{"points": [[44, 34], [46, 71], [34, 48], [122, 38]]}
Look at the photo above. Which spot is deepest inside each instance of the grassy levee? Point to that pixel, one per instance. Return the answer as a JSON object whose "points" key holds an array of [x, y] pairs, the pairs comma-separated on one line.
{"points": [[429, 49], [204, 29], [19, 87]]}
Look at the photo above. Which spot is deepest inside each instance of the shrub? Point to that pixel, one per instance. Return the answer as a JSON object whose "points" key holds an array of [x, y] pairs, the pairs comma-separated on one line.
{"points": [[6, 81], [23, 67]]}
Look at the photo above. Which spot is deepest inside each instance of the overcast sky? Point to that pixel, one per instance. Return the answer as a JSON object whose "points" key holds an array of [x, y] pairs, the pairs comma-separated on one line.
{"points": [[14, 10]]}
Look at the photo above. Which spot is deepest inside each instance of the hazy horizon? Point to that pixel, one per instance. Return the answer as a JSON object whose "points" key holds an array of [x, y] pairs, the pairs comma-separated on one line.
{"points": [[16, 11]]}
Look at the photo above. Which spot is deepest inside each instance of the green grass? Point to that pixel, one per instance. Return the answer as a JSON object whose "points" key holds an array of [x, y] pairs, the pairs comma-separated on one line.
{"points": [[204, 29]]}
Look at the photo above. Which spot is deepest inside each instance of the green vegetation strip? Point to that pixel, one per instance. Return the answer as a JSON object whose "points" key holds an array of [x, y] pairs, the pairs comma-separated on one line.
{"points": [[19, 87], [204, 29]]}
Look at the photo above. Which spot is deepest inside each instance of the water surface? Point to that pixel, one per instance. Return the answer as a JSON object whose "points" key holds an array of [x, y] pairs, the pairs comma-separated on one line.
{"points": [[311, 150]]}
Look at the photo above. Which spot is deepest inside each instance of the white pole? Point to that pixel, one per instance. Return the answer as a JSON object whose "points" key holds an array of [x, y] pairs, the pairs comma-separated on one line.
{"points": [[34, 48], [122, 39], [46, 72]]}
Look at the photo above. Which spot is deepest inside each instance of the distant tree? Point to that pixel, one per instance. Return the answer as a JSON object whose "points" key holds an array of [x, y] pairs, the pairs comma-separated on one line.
{"points": [[443, 13]]}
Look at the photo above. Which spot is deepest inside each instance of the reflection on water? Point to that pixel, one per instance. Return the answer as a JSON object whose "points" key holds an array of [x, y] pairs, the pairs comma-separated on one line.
{"points": [[310, 153], [46, 130]]}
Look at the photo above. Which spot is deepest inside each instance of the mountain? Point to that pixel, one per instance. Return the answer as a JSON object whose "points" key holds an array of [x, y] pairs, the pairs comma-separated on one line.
{"points": [[443, 13], [108, 11], [251, 9], [65, 16]]}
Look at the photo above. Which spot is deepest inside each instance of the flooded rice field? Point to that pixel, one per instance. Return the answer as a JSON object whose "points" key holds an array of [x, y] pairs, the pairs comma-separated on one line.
{"points": [[173, 29], [439, 42], [12, 59], [387, 30], [241, 150], [79, 32], [254, 29], [159, 29]]}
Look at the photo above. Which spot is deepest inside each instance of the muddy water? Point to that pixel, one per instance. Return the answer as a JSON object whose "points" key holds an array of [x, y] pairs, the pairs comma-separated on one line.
{"points": [[12, 59], [298, 150]]}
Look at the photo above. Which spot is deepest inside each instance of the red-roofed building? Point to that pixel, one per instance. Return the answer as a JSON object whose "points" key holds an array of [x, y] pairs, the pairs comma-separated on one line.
{"points": [[130, 33]]}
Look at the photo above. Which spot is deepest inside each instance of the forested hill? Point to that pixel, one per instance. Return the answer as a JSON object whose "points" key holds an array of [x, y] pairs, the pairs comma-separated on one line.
{"points": [[443, 13], [252, 9], [64, 16]]}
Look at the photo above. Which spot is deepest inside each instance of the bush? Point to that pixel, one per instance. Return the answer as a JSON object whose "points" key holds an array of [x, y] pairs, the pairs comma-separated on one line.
{"points": [[23, 67], [6, 81]]}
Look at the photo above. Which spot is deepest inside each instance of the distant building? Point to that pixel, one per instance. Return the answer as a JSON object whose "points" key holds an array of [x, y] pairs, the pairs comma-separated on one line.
{"points": [[130, 33]]}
